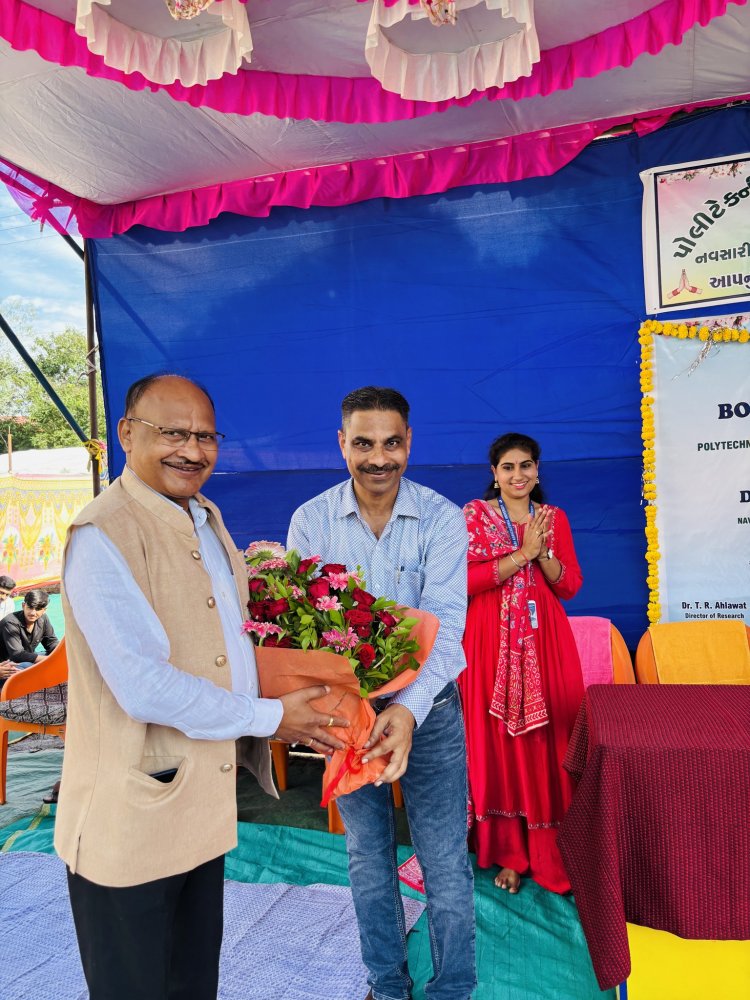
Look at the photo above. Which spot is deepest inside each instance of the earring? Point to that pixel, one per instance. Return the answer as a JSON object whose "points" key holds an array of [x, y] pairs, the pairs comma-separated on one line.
{"points": [[497, 485], [537, 478]]}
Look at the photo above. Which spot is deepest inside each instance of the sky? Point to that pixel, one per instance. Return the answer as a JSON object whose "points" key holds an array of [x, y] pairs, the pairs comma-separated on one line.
{"points": [[40, 275]]}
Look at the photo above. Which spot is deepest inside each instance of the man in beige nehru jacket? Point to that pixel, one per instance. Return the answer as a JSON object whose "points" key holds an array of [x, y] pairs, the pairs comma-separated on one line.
{"points": [[162, 682]]}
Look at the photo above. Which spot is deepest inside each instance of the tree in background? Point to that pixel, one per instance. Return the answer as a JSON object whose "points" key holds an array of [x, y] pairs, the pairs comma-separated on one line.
{"points": [[62, 358]]}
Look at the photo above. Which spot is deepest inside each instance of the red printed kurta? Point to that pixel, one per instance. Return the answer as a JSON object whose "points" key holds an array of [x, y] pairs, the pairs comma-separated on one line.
{"points": [[518, 787]]}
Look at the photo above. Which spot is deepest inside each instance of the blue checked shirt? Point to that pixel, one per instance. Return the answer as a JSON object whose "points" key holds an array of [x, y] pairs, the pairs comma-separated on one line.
{"points": [[419, 560]]}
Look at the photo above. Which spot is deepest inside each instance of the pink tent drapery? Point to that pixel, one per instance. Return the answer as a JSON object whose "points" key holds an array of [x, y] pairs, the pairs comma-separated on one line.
{"points": [[362, 99], [401, 176]]}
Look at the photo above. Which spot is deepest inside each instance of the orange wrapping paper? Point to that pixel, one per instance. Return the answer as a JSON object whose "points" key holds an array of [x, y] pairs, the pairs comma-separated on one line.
{"points": [[282, 671]]}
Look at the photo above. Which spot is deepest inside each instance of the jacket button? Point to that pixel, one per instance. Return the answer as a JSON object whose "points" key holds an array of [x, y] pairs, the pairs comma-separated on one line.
{"points": [[211, 602], [195, 554], [226, 767], [221, 661]]}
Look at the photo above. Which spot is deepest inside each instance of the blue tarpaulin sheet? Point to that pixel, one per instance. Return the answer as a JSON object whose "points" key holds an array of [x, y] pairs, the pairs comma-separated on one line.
{"points": [[492, 308]]}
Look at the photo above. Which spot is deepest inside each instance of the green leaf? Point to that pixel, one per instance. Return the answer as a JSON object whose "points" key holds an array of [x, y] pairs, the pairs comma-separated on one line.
{"points": [[294, 559], [337, 618], [407, 623]]}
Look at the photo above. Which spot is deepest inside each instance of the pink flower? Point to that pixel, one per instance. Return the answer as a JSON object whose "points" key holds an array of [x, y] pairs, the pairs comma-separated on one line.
{"points": [[339, 641], [261, 629], [337, 581], [328, 604], [267, 549], [272, 564], [297, 594]]}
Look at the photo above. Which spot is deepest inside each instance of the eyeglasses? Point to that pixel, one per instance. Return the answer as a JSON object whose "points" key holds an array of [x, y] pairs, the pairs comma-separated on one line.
{"points": [[208, 440]]}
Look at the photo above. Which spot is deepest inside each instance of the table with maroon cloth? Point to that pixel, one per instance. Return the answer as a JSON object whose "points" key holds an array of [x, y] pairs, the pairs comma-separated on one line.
{"points": [[658, 832]]}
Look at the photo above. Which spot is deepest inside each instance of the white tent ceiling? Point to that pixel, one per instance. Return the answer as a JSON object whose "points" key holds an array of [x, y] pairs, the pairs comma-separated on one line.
{"points": [[99, 140]]}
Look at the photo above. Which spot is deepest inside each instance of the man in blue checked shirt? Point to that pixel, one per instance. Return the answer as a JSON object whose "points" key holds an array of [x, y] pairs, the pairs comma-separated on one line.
{"points": [[410, 544]]}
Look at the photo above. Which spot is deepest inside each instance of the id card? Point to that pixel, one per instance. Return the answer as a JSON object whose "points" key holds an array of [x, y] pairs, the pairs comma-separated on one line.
{"points": [[533, 615]]}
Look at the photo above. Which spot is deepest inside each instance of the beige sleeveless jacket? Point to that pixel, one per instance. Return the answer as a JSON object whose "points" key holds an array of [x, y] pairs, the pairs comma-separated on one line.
{"points": [[116, 825]]}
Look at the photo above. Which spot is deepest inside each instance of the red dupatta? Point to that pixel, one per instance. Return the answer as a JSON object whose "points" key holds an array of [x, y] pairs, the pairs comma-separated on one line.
{"points": [[517, 698]]}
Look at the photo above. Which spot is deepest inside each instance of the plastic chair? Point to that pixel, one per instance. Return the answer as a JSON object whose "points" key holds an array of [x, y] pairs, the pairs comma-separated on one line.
{"points": [[589, 632], [51, 671], [646, 671]]}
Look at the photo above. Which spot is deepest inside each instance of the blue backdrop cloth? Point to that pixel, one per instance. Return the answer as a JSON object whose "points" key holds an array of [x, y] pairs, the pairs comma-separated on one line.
{"points": [[492, 308]]}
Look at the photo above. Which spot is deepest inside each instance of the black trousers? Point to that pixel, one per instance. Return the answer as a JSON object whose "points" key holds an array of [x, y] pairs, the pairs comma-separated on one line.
{"points": [[156, 941]]}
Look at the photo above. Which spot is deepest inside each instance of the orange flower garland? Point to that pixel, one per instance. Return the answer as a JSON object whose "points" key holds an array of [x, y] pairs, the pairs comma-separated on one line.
{"points": [[682, 331]]}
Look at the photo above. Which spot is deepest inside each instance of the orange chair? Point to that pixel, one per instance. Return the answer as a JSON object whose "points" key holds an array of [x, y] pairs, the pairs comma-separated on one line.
{"points": [[589, 633], [48, 673], [646, 671]]}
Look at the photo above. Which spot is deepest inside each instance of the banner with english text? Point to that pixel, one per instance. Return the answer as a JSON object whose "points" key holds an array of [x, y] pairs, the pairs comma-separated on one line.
{"points": [[696, 233], [697, 448]]}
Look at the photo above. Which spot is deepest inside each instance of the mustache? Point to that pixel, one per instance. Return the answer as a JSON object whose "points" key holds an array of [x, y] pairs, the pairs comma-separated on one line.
{"points": [[379, 468], [187, 465]]}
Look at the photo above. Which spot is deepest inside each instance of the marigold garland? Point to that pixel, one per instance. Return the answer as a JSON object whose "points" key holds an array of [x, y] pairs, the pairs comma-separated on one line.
{"points": [[649, 328]]}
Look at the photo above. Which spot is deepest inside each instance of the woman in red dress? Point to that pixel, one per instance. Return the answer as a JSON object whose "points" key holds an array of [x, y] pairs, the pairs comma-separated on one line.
{"points": [[522, 686]]}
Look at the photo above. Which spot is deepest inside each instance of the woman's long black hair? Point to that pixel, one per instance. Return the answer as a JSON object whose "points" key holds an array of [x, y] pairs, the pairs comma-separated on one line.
{"points": [[505, 443]]}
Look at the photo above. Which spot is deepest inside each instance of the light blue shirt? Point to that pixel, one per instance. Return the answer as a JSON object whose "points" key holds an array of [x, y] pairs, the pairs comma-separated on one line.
{"points": [[132, 650], [419, 560]]}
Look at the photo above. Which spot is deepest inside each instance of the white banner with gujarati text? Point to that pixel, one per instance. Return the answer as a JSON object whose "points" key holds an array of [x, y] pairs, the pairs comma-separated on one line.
{"points": [[702, 443], [696, 233]]}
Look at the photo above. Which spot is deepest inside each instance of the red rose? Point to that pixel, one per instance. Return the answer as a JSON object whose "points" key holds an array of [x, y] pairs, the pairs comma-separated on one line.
{"points": [[358, 616], [258, 610], [365, 654], [360, 620], [332, 568], [305, 565], [318, 588], [273, 640], [257, 585], [362, 598], [277, 607], [388, 620]]}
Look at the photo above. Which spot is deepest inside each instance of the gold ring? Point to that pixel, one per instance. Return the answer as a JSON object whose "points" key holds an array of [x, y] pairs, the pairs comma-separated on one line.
{"points": [[329, 723]]}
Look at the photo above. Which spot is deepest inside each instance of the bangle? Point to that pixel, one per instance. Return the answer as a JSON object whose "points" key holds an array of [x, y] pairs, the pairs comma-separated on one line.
{"points": [[517, 565]]}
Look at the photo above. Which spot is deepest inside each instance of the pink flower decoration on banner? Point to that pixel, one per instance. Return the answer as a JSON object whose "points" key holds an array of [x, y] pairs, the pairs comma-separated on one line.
{"points": [[337, 581], [328, 604], [340, 641], [262, 629]]}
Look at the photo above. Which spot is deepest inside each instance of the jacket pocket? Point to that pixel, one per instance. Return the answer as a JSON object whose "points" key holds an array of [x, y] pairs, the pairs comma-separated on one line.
{"points": [[141, 778]]}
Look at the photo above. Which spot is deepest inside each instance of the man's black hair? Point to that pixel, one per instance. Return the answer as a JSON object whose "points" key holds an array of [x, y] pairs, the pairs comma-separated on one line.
{"points": [[374, 397]]}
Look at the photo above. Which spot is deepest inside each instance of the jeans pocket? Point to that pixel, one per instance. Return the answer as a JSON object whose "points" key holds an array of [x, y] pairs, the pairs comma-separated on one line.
{"points": [[445, 699]]}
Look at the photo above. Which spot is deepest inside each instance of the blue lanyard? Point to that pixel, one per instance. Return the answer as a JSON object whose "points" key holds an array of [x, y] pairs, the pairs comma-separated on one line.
{"points": [[508, 522]]}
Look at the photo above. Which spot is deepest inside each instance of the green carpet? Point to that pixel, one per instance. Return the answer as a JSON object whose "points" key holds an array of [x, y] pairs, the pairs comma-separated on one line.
{"points": [[529, 946]]}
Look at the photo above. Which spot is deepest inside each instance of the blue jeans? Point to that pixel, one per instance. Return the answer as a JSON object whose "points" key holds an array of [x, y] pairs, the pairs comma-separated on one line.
{"points": [[435, 796]]}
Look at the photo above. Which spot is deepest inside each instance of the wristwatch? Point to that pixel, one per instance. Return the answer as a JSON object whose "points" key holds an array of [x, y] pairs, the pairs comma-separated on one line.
{"points": [[548, 556]]}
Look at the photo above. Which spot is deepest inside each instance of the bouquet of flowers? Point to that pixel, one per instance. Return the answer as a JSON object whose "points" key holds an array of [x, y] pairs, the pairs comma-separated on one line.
{"points": [[317, 624]]}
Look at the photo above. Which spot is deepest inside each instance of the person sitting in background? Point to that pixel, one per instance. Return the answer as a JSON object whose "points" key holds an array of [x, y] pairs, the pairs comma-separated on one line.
{"points": [[7, 669], [7, 604], [22, 631], [7, 607]]}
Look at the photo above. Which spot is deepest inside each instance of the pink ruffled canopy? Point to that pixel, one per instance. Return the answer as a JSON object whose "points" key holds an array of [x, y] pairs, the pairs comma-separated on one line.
{"points": [[105, 119]]}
